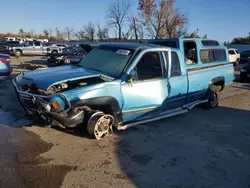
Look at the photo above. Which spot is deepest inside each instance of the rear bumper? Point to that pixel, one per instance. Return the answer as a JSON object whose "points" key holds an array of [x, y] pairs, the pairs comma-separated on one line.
{"points": [[32, 105]]}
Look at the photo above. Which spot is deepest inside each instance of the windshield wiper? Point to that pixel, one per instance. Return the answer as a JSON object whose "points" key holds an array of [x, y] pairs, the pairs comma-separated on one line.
{"points": [[94, 70], [101, 73]]}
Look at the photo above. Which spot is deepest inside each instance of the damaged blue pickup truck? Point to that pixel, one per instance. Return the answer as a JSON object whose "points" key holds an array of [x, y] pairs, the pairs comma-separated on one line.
{"points": [[124, 84]]}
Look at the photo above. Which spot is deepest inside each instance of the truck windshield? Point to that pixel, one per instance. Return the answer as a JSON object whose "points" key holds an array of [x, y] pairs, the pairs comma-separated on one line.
{"points": [[107, 60]]}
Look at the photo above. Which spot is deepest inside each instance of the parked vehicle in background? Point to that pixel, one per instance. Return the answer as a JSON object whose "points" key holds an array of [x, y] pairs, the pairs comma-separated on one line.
{"points": [[5, 46], [28, 48], [56, 48], [67, 57], [245, 56], [117, 84], [234, 56], [245, 73], [5, 66], [10, 43], [72, 54]]}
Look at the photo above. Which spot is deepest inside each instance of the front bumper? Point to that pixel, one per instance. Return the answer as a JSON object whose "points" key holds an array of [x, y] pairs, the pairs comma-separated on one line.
{"points": [[32, 105]]}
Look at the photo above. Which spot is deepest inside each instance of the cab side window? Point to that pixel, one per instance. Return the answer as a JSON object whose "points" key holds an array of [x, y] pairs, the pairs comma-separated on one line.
{"points": [[149, 66], [175, 65], [37, 43]]}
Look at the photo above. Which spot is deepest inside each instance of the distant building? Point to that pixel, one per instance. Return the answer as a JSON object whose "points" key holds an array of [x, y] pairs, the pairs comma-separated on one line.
{"points": [[21, 40]]}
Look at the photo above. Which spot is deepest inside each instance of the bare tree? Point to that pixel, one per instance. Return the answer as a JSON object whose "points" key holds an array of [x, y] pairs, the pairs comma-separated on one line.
{"points": [[137, 29], [59, 34], [163, 20], [80, 35], [117, 14], [89, 31], [21, 33], [102, 33], [175, 21], [32, 32], [134, 26], [46, 33], [69, 33], [50, 32]]}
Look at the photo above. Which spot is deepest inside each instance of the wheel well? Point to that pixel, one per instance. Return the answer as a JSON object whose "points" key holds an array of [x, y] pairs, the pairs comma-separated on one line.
{"points": [[19, 50], [106, 104], [218, 81]]}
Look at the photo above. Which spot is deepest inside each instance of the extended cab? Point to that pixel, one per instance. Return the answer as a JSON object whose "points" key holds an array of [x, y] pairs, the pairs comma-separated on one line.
{"points": [[28, 48], [124, 84], [36, 48]]}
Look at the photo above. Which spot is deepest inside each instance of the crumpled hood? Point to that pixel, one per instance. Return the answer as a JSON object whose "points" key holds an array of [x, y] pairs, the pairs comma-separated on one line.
{"points": [[44, 79]]}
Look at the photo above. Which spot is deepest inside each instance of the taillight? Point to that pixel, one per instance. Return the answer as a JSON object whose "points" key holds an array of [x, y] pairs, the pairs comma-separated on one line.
{"points": [[6, 61]]}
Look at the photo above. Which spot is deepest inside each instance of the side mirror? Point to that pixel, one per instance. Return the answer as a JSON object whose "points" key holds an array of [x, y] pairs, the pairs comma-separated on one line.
{"points": [[133, 75]]}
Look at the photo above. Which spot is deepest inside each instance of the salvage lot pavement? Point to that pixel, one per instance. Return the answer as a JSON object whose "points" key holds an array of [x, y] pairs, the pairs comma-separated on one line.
{"points": [[202, 148]]}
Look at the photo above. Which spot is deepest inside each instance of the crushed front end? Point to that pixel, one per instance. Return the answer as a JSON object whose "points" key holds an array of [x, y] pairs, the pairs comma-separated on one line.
{"points": [[51, 107]]}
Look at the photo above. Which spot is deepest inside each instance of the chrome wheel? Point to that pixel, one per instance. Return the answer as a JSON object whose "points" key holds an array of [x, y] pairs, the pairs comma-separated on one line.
{"points": [[100, 125]]}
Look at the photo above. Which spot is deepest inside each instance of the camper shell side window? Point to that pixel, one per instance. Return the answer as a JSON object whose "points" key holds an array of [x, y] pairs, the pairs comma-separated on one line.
{"points": [[190, 52]]}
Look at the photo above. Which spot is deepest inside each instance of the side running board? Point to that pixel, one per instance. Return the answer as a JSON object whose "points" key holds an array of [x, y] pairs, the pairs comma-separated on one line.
{"points": [[163, 115]]}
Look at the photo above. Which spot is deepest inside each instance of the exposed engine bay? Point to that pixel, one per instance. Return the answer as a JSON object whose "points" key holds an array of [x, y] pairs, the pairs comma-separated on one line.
{"points": [[65, 86]]}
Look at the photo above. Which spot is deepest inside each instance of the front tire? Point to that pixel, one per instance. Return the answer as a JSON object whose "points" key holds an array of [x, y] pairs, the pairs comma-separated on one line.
{"points": [[100, 125], [17, 53]]}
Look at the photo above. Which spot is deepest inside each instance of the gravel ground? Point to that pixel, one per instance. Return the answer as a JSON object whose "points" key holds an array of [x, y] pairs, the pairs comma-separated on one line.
{"points": [[199, 149]]}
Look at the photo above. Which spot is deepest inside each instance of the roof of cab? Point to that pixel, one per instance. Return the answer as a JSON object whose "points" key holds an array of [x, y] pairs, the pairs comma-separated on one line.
{"points": [[131, 45], [201, 41]]}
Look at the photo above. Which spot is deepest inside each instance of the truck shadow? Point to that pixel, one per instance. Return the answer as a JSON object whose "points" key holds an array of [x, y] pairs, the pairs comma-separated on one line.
{"points": [[196, 149]]}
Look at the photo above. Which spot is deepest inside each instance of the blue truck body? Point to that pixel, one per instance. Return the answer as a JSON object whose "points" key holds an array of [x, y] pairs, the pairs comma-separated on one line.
{"points": [[127, 98]]}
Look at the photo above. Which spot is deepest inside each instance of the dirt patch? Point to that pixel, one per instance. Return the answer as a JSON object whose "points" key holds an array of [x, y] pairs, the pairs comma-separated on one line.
{"points": [[34, 170]]}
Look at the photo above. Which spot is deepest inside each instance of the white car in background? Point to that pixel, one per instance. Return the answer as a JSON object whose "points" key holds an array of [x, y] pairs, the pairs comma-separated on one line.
{"points": [[234, 56]]}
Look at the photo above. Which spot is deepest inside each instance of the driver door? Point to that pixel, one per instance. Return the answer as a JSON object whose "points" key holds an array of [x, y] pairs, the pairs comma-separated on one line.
{"points": [[148, 92], [28, 48], [38, 48]]}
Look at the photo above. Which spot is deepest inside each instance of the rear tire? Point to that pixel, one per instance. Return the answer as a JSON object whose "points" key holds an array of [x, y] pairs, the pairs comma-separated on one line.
{"points": [[213, 100]]}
